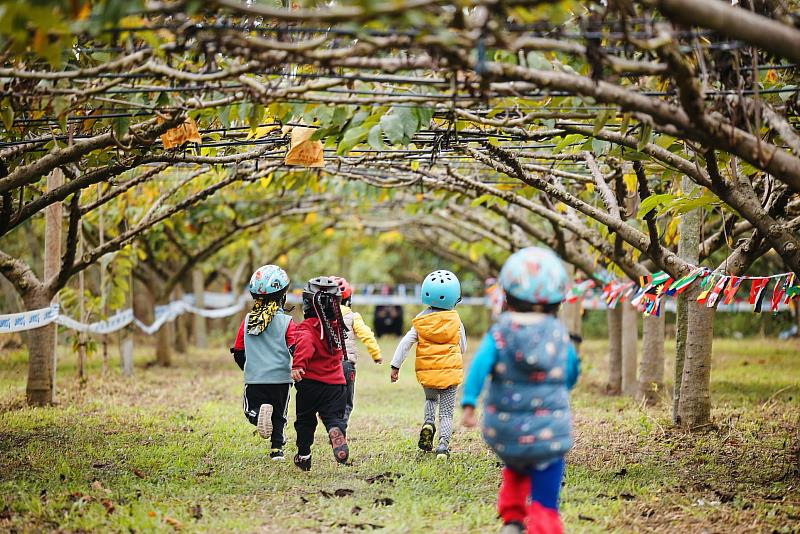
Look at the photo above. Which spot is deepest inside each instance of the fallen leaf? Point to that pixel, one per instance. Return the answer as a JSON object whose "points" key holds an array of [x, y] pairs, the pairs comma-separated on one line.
{"points": [[139, 473], [384, 501], [627, 496], [343, 492], [196, 511], [621, 473], [585, 517], [151, 514], [108, 505], [174, 523], [355, 510], [102, 465], [97, 485]]}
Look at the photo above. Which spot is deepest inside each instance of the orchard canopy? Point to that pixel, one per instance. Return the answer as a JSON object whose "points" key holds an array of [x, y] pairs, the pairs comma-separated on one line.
{"points": [[632, 137]]}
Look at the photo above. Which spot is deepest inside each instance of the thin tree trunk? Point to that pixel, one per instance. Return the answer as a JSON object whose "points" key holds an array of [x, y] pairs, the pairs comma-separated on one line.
{"points": [[651, 366], [689, 250], [614, 316], [126, 352], [694, 409], [164, 345], [630, 337], [40, 390], [198, 289]]}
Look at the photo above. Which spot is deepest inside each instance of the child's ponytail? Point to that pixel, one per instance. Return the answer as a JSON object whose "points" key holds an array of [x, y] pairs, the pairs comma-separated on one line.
{"points": [[326, 308]]}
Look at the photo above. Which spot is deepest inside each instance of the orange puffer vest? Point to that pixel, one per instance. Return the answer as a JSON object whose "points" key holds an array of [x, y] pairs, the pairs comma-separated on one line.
{"points": [[439, 364]]}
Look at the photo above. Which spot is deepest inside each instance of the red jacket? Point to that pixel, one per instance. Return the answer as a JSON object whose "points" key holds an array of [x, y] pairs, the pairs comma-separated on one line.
{"points": [[312, 355]]}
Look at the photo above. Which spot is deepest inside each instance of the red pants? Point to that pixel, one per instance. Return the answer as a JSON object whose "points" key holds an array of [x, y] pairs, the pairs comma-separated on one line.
{"points": [[513, 506]]}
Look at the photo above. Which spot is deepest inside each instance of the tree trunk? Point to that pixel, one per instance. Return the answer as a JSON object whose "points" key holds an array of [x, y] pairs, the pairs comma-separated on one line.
{"points": [[200, 339], [126, 352], [651, 366], [689, 250], [182, 334], [630, 337], [41, 390], [614, 316], [164, 345], [694, 410]]}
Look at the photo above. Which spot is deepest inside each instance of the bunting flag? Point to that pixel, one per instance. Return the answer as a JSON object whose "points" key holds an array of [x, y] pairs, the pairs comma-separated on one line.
{"points": [[679, 285], [757, 292], [715, 291], [706, 286], [733, 284], [756, 288], [777, 293]]}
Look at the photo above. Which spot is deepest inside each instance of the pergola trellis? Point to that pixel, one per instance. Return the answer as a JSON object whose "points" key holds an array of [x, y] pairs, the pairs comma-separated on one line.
{"points": [[557, 128]]}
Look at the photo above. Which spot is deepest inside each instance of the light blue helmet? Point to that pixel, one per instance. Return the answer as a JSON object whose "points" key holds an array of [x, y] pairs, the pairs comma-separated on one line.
{"points": [[534, 275], [441, 289], [267, 280]]}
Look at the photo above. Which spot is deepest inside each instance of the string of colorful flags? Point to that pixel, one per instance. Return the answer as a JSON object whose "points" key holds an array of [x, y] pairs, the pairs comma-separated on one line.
{"points": [[715, 287]]}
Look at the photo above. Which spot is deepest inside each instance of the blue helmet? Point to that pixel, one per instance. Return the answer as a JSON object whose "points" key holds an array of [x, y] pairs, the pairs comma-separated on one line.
{"points": [[441, 289], [534, 275], [267, 280]]}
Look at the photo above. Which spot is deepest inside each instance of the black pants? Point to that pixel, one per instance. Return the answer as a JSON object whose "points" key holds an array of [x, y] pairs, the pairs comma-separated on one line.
{"points": [[349, 369], [327, 400], [278, 396]]}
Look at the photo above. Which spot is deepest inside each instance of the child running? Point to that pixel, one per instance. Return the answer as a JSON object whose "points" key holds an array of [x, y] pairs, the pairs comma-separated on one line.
{"points": [[532, 364], [263, 350], [441, 342], [317, 371], [354, 327]]}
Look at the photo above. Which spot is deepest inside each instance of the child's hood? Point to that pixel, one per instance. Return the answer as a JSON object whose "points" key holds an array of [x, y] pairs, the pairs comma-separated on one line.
{"points": [[439, 327]]}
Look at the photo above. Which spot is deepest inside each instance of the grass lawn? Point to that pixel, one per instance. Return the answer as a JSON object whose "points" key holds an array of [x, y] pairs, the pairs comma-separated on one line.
{"points": [[170, 450]]}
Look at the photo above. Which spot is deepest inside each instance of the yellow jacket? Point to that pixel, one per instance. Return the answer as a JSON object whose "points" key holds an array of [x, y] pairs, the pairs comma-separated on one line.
{"points": [[356, 327], [439, 363]]}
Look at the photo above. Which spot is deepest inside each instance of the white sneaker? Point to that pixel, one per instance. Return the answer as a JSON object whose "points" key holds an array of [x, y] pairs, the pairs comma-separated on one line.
{"points": [[264, 425]]}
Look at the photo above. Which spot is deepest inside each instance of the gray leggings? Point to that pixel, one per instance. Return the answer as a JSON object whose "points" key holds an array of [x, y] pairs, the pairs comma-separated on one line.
{"points": [[446, 398]]}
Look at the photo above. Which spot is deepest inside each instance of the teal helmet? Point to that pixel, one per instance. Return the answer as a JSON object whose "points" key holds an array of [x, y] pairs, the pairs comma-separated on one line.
{"points": [[268, 280], [534, 275], [441, 289]]}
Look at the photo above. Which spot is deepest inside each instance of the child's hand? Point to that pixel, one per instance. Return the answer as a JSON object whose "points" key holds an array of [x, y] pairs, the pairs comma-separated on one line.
{"points": [[395, 374], [379, 361], [297, 374], [468, 418]]}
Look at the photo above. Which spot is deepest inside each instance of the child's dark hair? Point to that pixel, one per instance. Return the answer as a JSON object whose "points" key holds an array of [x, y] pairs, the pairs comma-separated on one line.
{"points": [[325, 307], [519, 305]]}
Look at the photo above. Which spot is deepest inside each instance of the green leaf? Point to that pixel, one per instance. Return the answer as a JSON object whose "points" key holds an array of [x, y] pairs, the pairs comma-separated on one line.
{"points": [[121, 125], [392, 126], [567, 140], [644, 136], [352, 137], [224, 116], [7, 114], [652, 201], [600, 147], [375, 138], [600, 121], [409, 119]]}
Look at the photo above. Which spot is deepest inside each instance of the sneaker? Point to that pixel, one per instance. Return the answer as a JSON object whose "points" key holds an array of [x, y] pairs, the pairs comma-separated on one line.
{"points": [[276, 454], [339, 444], [512, 528], [264, 425], [304, 463], [426, 437], [442, 453]]}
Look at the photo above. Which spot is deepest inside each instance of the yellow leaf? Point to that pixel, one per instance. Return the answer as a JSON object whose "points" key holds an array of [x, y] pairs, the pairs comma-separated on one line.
{"points": [[771, 76], [311, 218], [590, 187], [328, 232], [506, 187], [392, 236], [630, 181], [282, 259], [420, 197]]}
